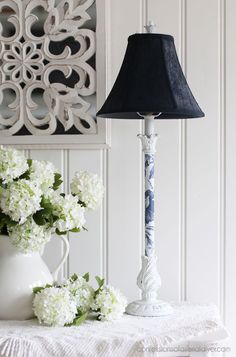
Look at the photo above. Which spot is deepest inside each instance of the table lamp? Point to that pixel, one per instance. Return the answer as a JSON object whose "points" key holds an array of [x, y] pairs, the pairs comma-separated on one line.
{"points": [[150, 85]]}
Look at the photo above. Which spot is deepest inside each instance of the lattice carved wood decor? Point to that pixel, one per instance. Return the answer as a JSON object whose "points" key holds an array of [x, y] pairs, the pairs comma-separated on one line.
{"points": [[47, 68]]}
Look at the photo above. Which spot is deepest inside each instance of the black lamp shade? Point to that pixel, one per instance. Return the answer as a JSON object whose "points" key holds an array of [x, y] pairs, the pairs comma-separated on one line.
{"points": [[150, 81]]}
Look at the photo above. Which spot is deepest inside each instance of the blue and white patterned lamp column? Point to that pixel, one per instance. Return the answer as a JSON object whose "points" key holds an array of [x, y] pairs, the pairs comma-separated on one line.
{"points": [[149, 203], [149, 280]]}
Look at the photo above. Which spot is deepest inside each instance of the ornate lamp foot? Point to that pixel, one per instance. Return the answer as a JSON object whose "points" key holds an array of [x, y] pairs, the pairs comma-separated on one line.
{"points": [[149, 282], [149, 308]]}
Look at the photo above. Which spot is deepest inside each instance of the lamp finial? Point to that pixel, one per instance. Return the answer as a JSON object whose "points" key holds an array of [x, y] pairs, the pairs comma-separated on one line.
{"points": [[151, 27]]}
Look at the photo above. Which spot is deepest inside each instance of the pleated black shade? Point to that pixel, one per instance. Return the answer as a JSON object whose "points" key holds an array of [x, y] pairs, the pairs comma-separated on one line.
{"points": [[150, 81]]}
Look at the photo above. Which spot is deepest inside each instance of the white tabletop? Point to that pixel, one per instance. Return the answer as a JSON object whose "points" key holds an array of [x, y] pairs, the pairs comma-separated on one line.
{"points": [[124, 337]]}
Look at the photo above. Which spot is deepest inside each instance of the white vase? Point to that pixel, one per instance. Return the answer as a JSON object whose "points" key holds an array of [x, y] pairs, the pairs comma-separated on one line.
{"points": [[19, 274]]}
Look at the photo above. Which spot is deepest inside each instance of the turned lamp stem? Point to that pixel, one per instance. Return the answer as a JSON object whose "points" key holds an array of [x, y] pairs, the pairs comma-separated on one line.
{"points": [[149, 124], [149, 148], [149, 280]]}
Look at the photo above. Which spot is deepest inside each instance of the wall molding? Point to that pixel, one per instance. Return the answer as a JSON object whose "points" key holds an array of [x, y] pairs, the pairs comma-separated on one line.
{"points": [[183, 163], [222, 155]]}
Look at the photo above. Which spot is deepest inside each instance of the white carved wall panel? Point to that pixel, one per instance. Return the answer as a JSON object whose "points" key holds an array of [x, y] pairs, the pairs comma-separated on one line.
{"points": [[47, 69]]}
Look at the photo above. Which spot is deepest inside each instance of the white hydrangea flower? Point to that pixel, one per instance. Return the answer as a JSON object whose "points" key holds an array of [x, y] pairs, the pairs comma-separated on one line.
{"points": [[20, 200], [43, 173], [54, 306], [12, 164], [110, 302], [82, 292], [69, 211], [29, 237], [89, 189]]}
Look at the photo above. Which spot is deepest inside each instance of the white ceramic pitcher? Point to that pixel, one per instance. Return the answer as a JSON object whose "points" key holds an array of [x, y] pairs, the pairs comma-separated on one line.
{"points": [[19, 274]]}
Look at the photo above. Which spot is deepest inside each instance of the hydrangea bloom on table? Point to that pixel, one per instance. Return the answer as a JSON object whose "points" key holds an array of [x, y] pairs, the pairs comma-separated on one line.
{"points": [[81, 291], [109, 302], [70, 303], [32, 208], [54, 307]]}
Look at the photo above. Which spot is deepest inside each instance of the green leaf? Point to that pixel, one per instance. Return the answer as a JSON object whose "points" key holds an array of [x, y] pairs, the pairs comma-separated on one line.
{"points": [[60, 233], [74, 277], [86, 276], [39, 218], [6, 220], [45, 215], [25, 175], [99, 281], [57, 181], [75, 230], [37, 289], [3, 230], [78, 320], [82, 203], [48, 286], [46, 203], [29, 162], [11, 223], [51, 221], [47, 211]]}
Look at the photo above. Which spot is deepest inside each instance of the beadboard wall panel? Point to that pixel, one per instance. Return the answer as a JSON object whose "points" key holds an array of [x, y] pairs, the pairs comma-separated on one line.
{"points": [[195, 167], [229, 242], [168, 168], [86, 247], [124, 167], [202, 70]]}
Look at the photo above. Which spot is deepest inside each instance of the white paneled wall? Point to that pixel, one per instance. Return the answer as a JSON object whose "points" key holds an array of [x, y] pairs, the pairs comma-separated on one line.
{"points": [[196, 167]]}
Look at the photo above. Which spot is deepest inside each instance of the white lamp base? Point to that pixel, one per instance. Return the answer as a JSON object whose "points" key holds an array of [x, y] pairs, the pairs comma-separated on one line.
{"points": [[149, 308], [149, 282]]}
